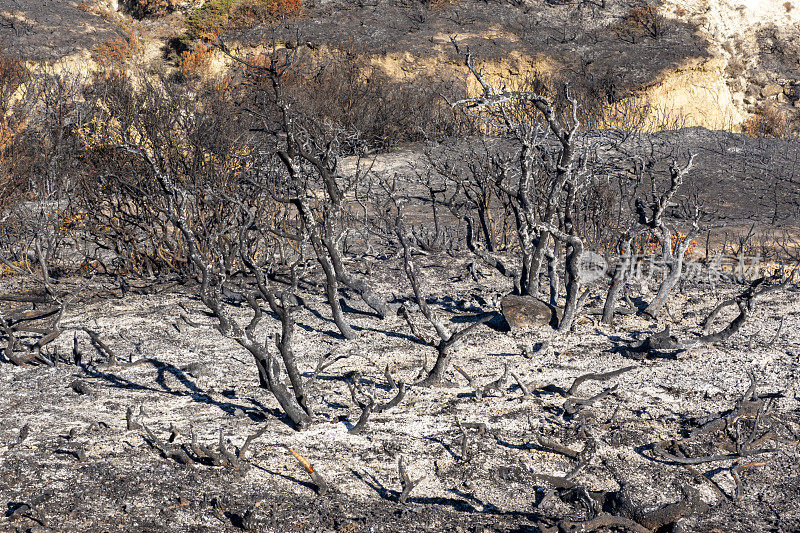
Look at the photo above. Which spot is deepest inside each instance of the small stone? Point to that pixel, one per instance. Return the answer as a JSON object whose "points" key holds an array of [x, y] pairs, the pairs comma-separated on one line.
{"points": [[792, 91], [80, 386], [249, 520], [770, 90]]}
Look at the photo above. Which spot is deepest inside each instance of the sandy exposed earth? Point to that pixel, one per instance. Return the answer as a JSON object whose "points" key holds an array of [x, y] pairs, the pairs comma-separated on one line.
{"points": [[717, 63]]}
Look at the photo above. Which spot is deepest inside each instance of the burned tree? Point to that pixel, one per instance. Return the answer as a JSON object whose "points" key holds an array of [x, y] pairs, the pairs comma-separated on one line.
{"points": [[653, 223], [672, 253], [218, 220], [542, 184], [664, 342], [215, 284], [309, 152], [446, 338]]}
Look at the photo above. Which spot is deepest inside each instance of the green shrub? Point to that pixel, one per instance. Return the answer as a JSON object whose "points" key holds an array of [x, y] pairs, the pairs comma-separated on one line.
{"points": [[208, 17], [219, 14]]}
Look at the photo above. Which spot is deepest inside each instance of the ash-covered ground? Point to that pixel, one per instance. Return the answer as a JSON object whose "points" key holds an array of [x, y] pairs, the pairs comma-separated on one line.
{"points": [[69, 462]]}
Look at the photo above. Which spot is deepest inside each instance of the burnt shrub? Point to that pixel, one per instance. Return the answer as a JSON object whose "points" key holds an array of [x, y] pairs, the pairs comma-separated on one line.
{"points": [[768, 121], [149, 8], [213, 15], [378, 111]]}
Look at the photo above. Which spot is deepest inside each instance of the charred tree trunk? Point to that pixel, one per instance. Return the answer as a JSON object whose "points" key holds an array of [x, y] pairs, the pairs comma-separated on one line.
{"points": [[574, 282], [552, 274], [359, 285], [331, 282], [617, 282], [673, 260]]}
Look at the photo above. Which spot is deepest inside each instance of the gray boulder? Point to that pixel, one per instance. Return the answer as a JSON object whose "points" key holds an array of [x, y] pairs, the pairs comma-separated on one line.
{"points": [[526, 311]]}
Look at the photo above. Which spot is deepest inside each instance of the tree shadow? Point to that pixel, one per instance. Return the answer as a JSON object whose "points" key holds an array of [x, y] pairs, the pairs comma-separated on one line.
{"points": [[347, 308], [273, 411], [523, 447], [236, 519], [393, 334], [460, 505], [453, 305], [319, 316], [306, 484], [497, 322], [448, 448], [376, 485], [194, 392]]}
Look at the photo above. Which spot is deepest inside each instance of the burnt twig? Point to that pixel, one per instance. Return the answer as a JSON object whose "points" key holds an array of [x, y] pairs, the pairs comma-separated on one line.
{"points": [[604, 376], [556, 447], [316, 477], [166, 451], [366, 406], [573, 405], [603, 520], [406, 483], [102, 347], [131, 423], [249, 440], [525, 390], [401, 392]]}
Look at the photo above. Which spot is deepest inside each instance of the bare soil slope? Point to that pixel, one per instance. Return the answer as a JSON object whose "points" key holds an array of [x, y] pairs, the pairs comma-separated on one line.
{"points": [[46, 30]]}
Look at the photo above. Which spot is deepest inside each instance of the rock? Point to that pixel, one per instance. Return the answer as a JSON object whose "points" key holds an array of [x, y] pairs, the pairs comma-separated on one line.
{"points": [[738, 84], [522, 311], [761, 79], [770, 90], [80, 386], [541, 348], [792, 91]]}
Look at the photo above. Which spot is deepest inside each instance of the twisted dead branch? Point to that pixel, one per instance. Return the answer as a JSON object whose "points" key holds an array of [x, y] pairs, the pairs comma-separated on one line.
{"points": [[743, 442], [406, 483], [664, 342]]}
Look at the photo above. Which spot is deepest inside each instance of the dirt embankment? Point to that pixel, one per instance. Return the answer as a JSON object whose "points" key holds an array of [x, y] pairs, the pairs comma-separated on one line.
{"points": [[710, 64], [597, 50], [705, 64]]}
